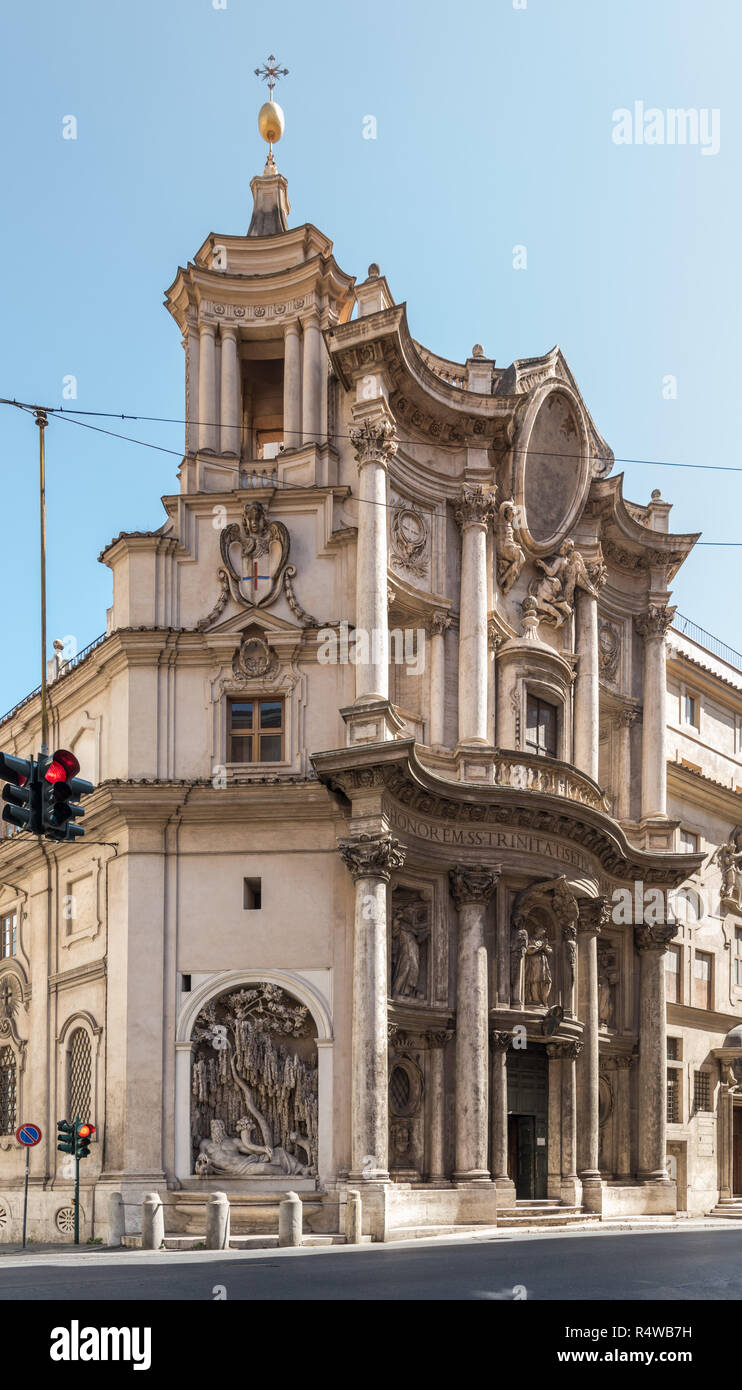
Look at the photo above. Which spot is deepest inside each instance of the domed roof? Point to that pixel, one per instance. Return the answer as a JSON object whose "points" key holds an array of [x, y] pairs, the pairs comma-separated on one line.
{"points": [[734, 1036]]}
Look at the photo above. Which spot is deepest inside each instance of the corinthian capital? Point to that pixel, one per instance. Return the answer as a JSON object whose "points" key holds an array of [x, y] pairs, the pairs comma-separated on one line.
{"points": [[476, 506], [372, 856], [470, 885], [595, 914], [656, 620], [440, 622], [374, 441], [654, 937]]}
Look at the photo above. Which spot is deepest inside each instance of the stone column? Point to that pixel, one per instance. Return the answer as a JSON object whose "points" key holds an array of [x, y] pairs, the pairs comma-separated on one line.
{"points": [[375, 445], [371, 861], [585, 746], [474, 515], [292, 436], [570, 1191], [653, 625], [725, 1133], [651, 943], [472, 889], [623, 1118], [231, 407], [311, 379], [594, 915], [439, 625], [499, 1124], [436, 1106], [626, 721], [192, 415], [207, 411]]}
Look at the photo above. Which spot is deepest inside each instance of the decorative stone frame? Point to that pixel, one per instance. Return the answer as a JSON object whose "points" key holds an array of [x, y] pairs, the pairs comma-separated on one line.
{"points": [[82, 1019], [306, 986], [285, 685], [417, 1087], [94, 870], [538, 400]]}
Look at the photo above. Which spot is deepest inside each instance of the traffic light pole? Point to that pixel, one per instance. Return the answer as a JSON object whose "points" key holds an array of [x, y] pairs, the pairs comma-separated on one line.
{"points": [[76, 1122], [41, 421]]}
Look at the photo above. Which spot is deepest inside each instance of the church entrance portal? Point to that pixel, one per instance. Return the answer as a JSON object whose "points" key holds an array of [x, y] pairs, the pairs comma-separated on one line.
{"points": [[528, 1095]]}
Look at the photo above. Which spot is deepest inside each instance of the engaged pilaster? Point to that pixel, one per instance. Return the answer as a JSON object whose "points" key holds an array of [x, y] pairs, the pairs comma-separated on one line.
{"points": [[231, 402], [375, 445], [471, 889], [312, 379], [439, 625], [371, 861], [474, 515], [651, 943], [499, 1120], [207, 412], [292, 436], [594, 915], [586, 684]]}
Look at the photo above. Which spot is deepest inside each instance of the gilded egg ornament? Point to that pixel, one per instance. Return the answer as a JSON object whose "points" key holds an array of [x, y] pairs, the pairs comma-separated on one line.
{"points": [[271, 122]]}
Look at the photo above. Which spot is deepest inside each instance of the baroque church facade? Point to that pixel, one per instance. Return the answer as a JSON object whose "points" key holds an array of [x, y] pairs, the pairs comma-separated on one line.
{"points": [[413, 866]]}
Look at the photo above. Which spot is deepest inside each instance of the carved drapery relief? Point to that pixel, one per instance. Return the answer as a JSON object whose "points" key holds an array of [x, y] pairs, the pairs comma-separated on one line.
{"points": [[410, 932], [554, 590], [510, 556], [409, 536], [254, 1085], [609, 652]]}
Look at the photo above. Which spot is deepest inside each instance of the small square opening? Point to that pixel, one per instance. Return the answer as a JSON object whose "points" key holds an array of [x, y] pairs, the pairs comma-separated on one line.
{"points": [[252, 895], [185, 984]]}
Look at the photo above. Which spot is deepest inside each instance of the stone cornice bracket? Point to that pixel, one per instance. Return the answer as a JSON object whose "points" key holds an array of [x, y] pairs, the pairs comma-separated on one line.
{"points": [[656, 620], [371, 856], [501, 1041], [656, 937], [374, 441], [476, 505], [439, 623], [595, 914], [471, 885]]}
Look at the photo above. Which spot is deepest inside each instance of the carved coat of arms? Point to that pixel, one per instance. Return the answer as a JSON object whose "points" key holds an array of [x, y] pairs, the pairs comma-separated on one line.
{"points": [[255, 555]]}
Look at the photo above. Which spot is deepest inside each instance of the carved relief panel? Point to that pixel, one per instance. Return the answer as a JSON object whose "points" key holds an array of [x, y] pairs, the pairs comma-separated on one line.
{"points": [[410, 945]]}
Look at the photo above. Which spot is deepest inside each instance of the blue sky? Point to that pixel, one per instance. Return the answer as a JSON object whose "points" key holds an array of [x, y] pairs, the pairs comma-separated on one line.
{"points": [[494, 129]]}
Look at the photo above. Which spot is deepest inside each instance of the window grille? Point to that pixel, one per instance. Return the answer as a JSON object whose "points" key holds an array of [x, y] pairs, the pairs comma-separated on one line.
{"points": [[79, 1075], [8, 1092], [702, 1090]]}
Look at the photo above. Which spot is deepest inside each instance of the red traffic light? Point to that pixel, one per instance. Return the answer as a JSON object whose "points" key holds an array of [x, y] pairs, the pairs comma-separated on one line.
{"points": [[85, 1131], [63, 766]]}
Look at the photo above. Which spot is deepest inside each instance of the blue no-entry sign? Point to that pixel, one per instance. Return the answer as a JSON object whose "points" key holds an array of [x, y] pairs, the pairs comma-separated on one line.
{"points": [[28, 1135]]}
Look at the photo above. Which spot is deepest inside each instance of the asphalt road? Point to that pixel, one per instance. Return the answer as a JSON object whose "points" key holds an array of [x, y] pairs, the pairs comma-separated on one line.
{"points": [[704, 1265]]}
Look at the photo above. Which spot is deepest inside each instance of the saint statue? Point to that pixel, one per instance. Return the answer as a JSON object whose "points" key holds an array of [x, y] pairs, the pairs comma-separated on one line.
{"points": [[409, 927], [537, 970]]}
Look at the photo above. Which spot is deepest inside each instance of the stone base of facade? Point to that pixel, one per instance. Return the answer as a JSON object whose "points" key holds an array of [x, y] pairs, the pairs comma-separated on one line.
{"points": [[638, 1199]]}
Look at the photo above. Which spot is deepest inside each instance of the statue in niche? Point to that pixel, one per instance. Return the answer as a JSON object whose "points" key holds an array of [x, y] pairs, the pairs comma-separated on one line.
{"points": [[518, 944], [608, 975], [510, 556], [729, 859], [569, 942], [255, 1098], [538, 979], [410, 926], [554, 590]]}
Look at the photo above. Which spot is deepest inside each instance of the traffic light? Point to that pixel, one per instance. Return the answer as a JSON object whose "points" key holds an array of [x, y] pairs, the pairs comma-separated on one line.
{"points": [[21, 793], [84, 1135], [60, 790], [65, 1137]]}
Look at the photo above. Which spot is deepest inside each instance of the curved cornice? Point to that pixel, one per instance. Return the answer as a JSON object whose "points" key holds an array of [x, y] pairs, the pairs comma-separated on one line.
{"points": [[626, 540], [396, 768]]}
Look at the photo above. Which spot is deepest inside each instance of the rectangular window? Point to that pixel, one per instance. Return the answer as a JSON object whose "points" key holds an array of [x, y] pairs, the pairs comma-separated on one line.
{"points": [[8, 935], [701, 1090], [673, 1049], [702, 980], [256, 731], [738, 956], [688, 842], [541, 727], [252, 895], [690, 711], [672, 975], [673, 1095]]}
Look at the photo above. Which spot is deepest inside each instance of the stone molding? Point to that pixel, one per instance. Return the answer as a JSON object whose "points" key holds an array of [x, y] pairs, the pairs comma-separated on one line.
{"points": [[471, 885], [372, 856]]}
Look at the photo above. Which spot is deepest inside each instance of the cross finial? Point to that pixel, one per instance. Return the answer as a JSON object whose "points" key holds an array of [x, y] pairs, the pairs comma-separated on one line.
{"points": [[271, 73]]}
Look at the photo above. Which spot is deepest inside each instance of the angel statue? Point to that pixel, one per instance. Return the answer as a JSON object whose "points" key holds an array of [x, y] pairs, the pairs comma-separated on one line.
{"points": [[554, 592]]}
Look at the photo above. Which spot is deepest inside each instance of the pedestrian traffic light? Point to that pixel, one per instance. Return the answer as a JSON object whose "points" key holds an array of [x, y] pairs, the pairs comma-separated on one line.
{"points": [[84, 1135], [65, 1137], [21, 793], [60, 790]]}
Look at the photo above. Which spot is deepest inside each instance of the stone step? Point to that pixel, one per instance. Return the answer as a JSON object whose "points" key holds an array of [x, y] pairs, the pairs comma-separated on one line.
{"points": [[424, 1232], [536, 1209], [570, 1217], [727, 1213]]}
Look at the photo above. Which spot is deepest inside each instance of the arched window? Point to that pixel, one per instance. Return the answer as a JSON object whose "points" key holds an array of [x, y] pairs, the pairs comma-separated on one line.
{"points": [[8, 1092], [79, 1075]]}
